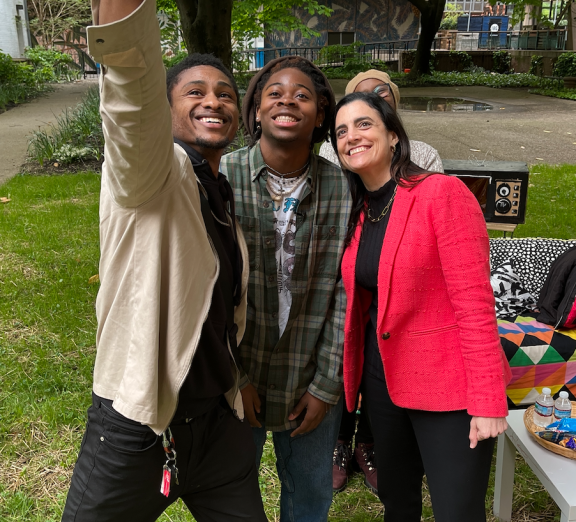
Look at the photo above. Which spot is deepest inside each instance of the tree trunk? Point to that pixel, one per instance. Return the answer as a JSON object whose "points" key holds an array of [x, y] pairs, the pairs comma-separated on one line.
{"points": [[571, 41], [431, 13], [207, 27]]}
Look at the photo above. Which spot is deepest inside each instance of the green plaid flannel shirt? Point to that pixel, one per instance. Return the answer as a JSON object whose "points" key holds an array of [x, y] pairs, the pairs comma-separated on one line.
{"points": [[308, 356]]}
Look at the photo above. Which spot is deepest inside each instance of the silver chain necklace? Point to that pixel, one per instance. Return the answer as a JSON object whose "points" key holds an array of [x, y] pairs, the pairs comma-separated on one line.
{"points": [[280, 175], [278, 196]]}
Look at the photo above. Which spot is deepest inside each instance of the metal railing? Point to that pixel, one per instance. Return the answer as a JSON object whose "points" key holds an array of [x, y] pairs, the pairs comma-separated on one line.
{"points": [[544, 40], [383, 51], [552, 39]]}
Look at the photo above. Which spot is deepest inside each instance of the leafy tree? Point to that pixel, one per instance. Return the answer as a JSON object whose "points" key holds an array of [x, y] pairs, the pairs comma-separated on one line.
{"points": [[51, 19], [518, 12], [450, 20], [431, 12], [251, 18], [208, 26]]}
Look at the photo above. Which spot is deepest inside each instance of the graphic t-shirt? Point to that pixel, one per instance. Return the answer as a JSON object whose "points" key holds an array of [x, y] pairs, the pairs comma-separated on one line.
{"points": [[285, 227]]}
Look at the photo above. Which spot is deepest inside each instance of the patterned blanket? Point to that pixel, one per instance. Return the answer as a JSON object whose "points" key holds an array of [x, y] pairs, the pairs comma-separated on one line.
{"points": [[539, 357]]}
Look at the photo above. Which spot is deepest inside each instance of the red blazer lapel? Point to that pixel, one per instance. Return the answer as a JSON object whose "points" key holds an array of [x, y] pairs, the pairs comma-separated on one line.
{"points": [[398, 218]]}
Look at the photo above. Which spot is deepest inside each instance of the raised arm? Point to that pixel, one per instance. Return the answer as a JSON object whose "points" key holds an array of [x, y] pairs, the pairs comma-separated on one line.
{"points": [[134, 107], [114, 10]]}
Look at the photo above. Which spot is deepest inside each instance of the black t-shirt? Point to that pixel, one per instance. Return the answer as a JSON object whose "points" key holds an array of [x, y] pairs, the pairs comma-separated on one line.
{"points": [[210, 374]]}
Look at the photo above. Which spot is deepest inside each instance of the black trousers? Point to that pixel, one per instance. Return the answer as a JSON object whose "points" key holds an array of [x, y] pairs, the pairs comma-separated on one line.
{"points": [[409, 443], [119, 469]]}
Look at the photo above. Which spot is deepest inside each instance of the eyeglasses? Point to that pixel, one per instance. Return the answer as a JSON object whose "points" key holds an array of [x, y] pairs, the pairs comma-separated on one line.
{"points": [[383, 90]]}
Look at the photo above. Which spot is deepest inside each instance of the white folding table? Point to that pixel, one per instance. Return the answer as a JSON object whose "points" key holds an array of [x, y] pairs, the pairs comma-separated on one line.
{"points": [[557, 473]]}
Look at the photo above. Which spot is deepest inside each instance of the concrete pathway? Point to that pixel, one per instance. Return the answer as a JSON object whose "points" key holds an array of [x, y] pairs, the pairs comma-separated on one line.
{"points": [[18, 123], [521, 127]]}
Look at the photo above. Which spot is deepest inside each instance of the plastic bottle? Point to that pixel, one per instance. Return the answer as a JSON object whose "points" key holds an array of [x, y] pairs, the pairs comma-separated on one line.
{"points": [[562, 407], [544, 409]]}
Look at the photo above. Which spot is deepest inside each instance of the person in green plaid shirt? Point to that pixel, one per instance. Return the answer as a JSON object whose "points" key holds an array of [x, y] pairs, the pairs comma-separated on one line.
{"points": [[293, 207]]}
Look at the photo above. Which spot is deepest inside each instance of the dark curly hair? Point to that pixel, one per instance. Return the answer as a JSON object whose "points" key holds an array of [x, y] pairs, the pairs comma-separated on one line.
{"points": [[402, 169], [195, 60], [323, 93]]}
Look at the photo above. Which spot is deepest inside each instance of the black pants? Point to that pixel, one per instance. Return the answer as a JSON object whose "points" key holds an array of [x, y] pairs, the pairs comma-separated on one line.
{"points": [[409, 443], [119, 470], [348, 425]]}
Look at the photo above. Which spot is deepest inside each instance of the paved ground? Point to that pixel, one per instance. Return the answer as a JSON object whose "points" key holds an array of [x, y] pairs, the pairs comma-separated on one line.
{"points": [[521, 127], [18, 123]]}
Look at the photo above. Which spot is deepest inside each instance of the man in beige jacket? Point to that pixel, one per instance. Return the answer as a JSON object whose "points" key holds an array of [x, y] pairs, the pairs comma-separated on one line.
{"points": [[166, 417]]}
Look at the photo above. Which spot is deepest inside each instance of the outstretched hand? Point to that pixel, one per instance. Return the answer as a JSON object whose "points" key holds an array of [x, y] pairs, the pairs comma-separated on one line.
{"points": [[482, 428], [252, 404], [316, 410]]}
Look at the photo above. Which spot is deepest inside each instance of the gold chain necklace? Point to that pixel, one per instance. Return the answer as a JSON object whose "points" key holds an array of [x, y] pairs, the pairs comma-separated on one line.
{"points": [[385, 211]]}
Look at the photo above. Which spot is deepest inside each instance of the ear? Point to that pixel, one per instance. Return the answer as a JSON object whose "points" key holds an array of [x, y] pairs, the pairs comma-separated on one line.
{"points": [[257, 113], [320, 118], [394, 138]]}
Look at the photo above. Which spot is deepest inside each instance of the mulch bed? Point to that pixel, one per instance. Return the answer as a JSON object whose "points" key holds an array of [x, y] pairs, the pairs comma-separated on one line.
{"points": [[56, 169]]}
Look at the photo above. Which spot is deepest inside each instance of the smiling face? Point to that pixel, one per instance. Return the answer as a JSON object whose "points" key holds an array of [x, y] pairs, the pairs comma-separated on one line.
{"points": [[364, 143], [204, 110], [288, 110], [384, 91]]}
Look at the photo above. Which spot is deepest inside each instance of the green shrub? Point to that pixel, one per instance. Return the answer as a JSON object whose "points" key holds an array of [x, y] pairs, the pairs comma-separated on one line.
{"points": [[566, 94], [460, 60], [242, 80], [76, 136], [450, 19], [335, 54], [565, 65], [8, 69], [352, 61], [537, 65], [175, 59], [20, 81], [501, 62], [487, 79], [54, 65]]}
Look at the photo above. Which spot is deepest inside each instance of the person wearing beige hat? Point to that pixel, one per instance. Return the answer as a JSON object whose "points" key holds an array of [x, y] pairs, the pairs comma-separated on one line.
{"points": [[379, 82]]}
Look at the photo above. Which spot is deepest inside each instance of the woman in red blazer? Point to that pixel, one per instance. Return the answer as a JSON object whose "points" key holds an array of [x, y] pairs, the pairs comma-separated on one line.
{"points": [[421, 337]]}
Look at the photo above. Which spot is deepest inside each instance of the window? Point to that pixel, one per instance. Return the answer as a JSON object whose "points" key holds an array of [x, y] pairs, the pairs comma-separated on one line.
{"points": [[466, 6], [340, 38]]}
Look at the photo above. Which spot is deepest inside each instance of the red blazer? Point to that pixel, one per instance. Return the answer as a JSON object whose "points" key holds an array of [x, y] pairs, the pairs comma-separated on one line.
{"points": [[437, 330]]}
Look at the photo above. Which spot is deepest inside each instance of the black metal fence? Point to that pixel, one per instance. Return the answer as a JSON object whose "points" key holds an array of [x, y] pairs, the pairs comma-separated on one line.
{"points": [[545, 40], [383, 51], [390, 51]]}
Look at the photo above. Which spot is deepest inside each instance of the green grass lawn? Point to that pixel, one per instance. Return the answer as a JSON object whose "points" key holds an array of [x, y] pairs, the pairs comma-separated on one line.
{"points": [[48, 253], [551, 206]]}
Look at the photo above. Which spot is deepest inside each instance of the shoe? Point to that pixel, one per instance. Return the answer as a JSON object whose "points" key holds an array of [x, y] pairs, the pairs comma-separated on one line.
{"points": [[365, 463], [341, 466]]}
